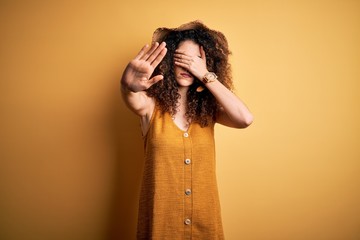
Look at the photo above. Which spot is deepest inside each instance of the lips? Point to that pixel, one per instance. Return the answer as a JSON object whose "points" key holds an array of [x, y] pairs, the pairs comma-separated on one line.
{"points": [[185, 75]]}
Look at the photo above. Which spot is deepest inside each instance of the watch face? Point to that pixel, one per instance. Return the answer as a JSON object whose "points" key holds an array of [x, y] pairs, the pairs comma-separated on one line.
{"points": [[210, 77]]}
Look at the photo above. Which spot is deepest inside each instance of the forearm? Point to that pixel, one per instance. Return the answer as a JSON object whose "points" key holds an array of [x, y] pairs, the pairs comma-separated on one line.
{"points": [[234, 108]]}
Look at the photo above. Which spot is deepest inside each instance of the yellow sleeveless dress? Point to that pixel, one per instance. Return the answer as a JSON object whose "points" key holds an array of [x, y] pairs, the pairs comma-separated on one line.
{"points": [[179, 196]]}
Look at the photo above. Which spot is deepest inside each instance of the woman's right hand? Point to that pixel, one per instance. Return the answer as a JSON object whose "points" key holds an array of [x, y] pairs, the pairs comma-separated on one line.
{"points": [[137, 73]]}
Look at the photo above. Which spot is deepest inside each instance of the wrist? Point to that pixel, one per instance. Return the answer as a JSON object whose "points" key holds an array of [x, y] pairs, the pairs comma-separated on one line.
{"points": [[209, 77]]}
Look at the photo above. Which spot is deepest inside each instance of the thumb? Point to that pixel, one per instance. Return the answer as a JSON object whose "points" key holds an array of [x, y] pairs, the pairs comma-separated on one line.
{"points": [[155, 79]]}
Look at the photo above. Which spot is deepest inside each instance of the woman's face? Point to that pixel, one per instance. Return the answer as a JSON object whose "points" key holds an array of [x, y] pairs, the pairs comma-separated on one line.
{"points": [[183, 77]]}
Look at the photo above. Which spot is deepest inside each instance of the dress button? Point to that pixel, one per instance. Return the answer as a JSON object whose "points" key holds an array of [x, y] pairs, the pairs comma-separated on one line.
{"points": [[187, 161], [186, 134], [188, 191], [187, 221]]}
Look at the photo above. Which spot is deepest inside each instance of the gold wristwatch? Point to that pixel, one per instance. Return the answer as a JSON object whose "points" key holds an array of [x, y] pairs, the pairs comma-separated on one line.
{"points": [[209, 77]]}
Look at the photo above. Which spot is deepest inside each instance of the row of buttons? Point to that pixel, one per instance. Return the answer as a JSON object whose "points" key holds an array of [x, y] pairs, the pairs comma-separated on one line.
{"points": [[187, 191]]}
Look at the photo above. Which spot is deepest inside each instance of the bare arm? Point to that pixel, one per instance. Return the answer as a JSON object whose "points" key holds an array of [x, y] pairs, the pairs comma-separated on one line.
{"points": [[135, 79], [233, 113]]}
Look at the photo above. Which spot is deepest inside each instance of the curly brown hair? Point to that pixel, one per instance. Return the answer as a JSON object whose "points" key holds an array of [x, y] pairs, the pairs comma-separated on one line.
{"points": [[201, 106]]}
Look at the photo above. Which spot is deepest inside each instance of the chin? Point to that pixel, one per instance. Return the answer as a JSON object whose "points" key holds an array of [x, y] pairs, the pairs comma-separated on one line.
{"points": [[185, 82]]}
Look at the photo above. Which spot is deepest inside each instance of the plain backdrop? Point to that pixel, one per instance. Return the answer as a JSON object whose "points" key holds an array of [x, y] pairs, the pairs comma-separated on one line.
{"points": [[71, 152]]}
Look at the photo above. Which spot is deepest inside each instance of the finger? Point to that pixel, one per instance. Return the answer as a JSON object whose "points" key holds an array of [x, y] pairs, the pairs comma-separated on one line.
{"points": [[184, 61], [202, 52], [148, 53], [182, 56], [157, 52], [159, 58], [155, 79], [142, 51], [181, 64]]}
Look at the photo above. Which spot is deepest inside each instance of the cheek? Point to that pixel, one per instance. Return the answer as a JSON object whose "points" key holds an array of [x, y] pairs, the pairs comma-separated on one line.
{"points": [[177, 70]]}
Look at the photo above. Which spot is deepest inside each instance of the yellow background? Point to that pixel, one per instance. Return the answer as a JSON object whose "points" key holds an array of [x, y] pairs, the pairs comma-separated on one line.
{"points": [[71, 153]]}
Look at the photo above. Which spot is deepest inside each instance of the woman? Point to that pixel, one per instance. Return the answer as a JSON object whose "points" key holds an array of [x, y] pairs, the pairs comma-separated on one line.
{"points": [[180, 86]]}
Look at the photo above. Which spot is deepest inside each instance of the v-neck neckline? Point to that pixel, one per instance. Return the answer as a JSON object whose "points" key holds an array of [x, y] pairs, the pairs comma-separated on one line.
{"points": [[177, 127]]}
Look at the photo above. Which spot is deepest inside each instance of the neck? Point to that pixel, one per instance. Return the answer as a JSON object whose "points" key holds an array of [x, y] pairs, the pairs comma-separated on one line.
{"points": [[183, 94]]}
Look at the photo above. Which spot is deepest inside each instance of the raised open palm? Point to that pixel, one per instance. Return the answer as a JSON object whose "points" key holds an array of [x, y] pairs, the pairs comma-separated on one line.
{"points": [[139, 70]]}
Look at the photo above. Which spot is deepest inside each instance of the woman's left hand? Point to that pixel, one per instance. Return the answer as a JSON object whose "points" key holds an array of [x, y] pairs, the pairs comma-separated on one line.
{"points": [[194, 64]]}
